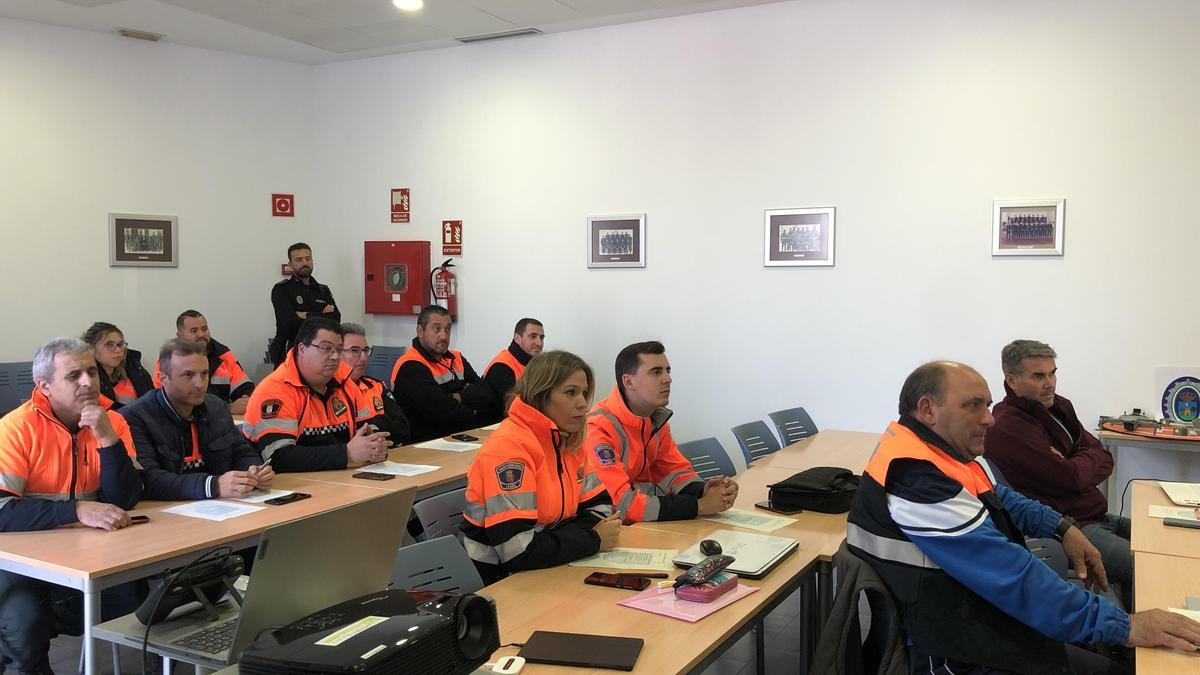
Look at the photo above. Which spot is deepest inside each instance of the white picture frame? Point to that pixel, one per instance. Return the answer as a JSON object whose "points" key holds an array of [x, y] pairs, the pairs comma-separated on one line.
{"points": [[799, 237], [1028, 227]]}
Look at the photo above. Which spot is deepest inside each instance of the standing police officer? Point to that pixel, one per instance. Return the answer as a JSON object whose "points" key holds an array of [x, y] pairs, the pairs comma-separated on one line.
{"points": [[297, 298]]}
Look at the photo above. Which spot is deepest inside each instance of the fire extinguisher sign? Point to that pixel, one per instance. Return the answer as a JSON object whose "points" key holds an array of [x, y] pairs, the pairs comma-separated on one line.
{"points": [[451, 237], [401, 209]]}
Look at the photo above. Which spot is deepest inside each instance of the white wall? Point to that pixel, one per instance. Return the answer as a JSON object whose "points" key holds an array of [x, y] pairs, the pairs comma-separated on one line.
{"points": [[92, 124], [909, 116]]}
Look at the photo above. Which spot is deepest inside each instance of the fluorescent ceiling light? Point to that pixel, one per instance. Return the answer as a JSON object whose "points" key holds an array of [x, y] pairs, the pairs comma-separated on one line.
{"points": [[408, 5]]}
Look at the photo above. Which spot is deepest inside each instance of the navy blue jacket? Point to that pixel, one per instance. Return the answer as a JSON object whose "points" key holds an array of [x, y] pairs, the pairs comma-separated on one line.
{"points": [[163, 439]]}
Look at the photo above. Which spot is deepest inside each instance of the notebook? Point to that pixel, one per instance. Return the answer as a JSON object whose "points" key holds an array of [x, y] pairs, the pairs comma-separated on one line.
{"points": [[578, 649], [1183, 494], [754, 554]]}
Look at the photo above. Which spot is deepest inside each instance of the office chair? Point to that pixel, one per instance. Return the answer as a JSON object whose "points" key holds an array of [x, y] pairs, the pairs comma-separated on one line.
{"points": [[381, 361], [708, 458], [755, 439], [793, 425], [441, 514], [16, 383], [436, 565]]}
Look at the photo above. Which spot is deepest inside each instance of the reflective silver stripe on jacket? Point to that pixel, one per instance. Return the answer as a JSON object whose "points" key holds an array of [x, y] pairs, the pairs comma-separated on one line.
{"points": [[626, 501], [91, 495], [887, 548], [365, 413], [254, 430], [590, 482], [219, 379], [281, 443], [665, 483], [448, 376], [11, 482], [510, 549], [624, 439], [517, 501]]}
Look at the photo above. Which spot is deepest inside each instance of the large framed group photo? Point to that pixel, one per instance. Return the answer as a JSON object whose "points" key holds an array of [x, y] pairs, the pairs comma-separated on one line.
{"points": [[616, 241], [136, 240]]}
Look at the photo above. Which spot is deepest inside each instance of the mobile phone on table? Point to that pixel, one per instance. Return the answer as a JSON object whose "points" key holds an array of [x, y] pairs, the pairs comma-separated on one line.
{"points": [[371, 475], [768, 506], [138, 520], [465, 438], [288, 499], [628, 582]]}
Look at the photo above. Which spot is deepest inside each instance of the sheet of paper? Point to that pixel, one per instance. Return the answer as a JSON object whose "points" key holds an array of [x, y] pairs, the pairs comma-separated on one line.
{"points": [[213, 510], [258, 496], [491, 427], [1193, 615], [763, 522], [1183, 494], [398, 469], [451, 446], [663, 601], [1183, 512], [631, 559]]}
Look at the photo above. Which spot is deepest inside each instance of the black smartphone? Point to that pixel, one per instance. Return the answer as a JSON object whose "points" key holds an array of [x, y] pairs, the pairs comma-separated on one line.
{"points": [[138, 520], [465, 438], [288, 499], [371, 475], [767, 506], [628, 582]]}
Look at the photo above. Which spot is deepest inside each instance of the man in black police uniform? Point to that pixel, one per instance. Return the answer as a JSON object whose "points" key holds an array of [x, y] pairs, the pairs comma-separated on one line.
{"points": [[297, 298]]}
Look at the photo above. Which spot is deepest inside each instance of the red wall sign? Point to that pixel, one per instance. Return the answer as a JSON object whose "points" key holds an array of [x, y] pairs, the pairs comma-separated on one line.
{"points": [[451, 237], [283, 205], [401, 208]]}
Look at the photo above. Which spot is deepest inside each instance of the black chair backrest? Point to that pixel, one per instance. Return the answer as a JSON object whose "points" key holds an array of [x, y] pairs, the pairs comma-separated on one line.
{"points": [[755, 439], [381, 361], [708, 458], [16, 383], [793, 425]]}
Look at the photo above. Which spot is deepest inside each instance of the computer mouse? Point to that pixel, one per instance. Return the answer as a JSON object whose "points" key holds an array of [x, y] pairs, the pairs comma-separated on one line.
{"points": [[710, 547]]}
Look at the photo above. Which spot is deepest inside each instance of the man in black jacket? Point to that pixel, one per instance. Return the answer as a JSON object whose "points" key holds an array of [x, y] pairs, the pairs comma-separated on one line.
{"points": [[186, 440], [226, 378], [297, 298]]}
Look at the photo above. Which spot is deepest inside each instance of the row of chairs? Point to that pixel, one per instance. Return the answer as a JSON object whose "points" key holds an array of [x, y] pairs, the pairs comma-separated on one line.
{"points": [[709, 458]]}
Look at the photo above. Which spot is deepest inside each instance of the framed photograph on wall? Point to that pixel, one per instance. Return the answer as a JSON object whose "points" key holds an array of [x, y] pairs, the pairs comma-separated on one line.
{"points": [[1027, 227], [616, 241], [798, 237], [136, 240]]}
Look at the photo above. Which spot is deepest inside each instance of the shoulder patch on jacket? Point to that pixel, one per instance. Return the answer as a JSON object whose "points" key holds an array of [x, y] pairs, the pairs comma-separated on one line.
{"points": [[510, 475], [378, 403], [271, 408], [339, 406], [605, 454]]}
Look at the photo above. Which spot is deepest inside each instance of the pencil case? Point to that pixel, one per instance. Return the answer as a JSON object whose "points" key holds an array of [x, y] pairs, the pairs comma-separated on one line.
{"points": [[709, 590]]}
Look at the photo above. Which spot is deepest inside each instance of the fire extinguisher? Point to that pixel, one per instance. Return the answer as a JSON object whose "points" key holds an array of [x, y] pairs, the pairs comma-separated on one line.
{"points": [[444, 286]]}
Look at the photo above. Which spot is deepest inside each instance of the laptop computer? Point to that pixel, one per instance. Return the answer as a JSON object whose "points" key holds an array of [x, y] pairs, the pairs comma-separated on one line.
{"points": [[577, 649], [300, 568]]}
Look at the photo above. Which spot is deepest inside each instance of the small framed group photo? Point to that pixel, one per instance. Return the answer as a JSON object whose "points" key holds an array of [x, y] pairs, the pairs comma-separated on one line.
{"points": [[142, 241], [1027, 227], [616, 241], [798, 237]]}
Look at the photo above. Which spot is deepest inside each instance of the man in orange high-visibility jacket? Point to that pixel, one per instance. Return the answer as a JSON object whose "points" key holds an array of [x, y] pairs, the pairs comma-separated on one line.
{"points": [[436, 387], [647, 476], [356, 354], [226, 378], [304, 416], [63, 460], [502, 372]]}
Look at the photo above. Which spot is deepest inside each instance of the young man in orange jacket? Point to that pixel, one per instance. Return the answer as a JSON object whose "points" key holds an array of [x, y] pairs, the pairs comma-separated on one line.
{"points": [[636, 457], [506, 367]]}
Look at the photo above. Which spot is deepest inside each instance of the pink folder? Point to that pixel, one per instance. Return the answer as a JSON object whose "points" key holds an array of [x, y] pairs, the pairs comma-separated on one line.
{"points": [[663, 601]]}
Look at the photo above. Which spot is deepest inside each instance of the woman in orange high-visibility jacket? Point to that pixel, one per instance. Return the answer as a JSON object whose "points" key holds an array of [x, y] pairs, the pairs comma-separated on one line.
{"points": [[533, 497]]}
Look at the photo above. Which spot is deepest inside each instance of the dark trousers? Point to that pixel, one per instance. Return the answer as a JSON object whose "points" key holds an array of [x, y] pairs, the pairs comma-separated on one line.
{"points": [[32, 612]]}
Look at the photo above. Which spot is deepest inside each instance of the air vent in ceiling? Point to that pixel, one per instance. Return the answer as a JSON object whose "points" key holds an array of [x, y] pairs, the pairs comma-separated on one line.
{"points": [[499, 36]]}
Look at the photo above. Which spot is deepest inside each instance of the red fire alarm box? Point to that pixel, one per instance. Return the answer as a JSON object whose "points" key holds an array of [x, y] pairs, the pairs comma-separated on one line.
{"points": [[397, 276]]}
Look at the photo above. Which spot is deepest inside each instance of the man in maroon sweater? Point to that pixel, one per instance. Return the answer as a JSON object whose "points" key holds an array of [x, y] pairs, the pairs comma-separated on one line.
{"points": [[1045, 453]]}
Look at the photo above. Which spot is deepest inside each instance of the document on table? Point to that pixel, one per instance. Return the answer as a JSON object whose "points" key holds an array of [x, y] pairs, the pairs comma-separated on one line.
{"points": [[213, 510], [1183, 494], [763, 522], [398, 469], [631, 559], [1181, 512], [1191, 614], [258, 496], [451, 446]]}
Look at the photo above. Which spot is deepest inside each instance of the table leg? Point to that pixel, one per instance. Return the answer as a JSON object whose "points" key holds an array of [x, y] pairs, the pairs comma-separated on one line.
{"points": [[760, 647], [91, 617]]}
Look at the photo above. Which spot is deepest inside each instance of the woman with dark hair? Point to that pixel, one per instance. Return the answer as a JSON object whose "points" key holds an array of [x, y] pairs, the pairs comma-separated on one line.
{"points": [[533, 497], [122, 377]]}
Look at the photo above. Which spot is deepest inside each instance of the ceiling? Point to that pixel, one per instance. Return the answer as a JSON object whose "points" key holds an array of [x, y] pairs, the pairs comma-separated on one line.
{"points": [[324, 31]]}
